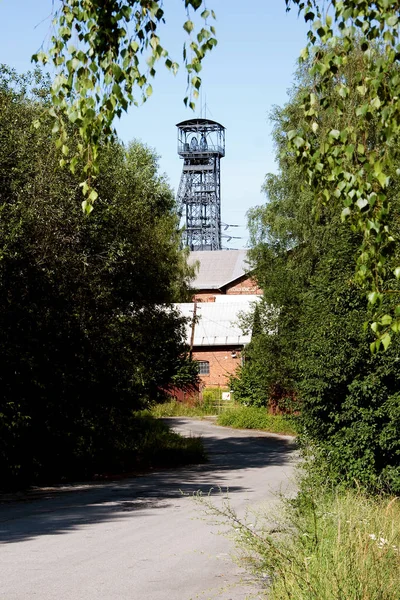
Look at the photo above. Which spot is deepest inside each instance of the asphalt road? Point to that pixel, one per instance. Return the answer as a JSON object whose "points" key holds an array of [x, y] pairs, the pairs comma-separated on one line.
{"points": [[145, 538]]}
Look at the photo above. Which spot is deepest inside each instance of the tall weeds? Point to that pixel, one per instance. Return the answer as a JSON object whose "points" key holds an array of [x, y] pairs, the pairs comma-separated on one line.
{"points": [[326, 545]]}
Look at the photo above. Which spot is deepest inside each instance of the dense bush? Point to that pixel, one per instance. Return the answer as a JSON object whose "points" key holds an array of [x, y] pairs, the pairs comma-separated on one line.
{"points": [[251, 417], [87, 331], [350, 402], [315, 348], [158, 446]]}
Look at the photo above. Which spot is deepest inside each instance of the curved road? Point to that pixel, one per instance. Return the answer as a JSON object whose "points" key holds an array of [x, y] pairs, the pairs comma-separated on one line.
{"points": [[144, 538]]}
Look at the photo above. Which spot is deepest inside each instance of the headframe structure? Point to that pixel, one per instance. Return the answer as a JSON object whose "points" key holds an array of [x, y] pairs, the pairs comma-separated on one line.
{"points": [[201, 144]]}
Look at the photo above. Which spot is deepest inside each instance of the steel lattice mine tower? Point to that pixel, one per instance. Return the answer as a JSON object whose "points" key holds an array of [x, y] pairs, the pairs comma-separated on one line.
{"points": [[201, 144]]}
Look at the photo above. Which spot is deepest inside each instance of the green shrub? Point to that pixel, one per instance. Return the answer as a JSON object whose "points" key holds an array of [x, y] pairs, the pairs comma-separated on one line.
{"points": [[211, 396], [173, 408], [250, 417], [161, 447], [351, 402], [143, 442]]}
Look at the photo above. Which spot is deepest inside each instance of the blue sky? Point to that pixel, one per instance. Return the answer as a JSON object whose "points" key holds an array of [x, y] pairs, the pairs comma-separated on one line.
{"points": [[248, 73]]}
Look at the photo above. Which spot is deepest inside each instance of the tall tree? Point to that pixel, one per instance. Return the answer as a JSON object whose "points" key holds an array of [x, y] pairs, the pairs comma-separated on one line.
{"points": [[304, 259], [87, 330], [349, 164]]}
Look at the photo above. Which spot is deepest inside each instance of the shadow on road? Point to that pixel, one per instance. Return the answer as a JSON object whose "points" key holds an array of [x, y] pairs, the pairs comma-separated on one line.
{"points": [[64, 509]]}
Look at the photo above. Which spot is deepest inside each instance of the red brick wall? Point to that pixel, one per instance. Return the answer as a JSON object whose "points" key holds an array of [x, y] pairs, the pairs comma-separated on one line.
{"points": [[242, 286], [205, 296], [222, 364], [246, 285]]}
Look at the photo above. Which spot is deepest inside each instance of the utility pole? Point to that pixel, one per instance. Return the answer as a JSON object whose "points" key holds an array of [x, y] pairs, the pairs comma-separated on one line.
{"points": [[193, 328]]}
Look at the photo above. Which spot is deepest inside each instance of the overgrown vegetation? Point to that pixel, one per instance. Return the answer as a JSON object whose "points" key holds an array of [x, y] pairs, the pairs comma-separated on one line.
{"points": [[158, 446], [313, 353], [251, 417], [265, 378], [209, 403], [337, 148], [142, 443], [350, 160], [231, 415], [87, 329], [326, 545], [172, 408]]}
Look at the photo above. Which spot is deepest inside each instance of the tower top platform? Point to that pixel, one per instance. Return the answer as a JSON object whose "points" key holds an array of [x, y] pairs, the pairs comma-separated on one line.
{"points": [[199, 124], [200, 138]]}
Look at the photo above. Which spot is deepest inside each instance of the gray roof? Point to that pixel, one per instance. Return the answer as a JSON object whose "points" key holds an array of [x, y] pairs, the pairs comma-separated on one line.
{"points": [[198, 122], [217, 322], [218, 268]]}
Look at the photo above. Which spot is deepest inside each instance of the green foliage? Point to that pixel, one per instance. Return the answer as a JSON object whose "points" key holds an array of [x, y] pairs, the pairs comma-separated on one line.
{"points": [[158, 446], [351, 161], [318, 352], [104, 57], [142, 442], [249, 382], [210, 403], [172, 408], [265, 378], [86, 327], [350, 405], [260, 380], [256, 328], [213, 394], [323, 545], [186, 376], [251, 417]]}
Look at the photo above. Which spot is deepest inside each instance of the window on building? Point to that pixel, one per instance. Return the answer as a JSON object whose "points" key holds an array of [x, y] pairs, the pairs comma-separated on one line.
{"points": [[204, 367]]}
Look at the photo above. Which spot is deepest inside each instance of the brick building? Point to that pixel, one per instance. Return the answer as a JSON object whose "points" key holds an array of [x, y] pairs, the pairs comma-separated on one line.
{"points": [[222, 290], [222, 272]]}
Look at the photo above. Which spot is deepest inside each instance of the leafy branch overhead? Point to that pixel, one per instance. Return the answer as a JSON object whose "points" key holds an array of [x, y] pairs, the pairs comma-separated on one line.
{"points": [[355, 162], [105, 55]]}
